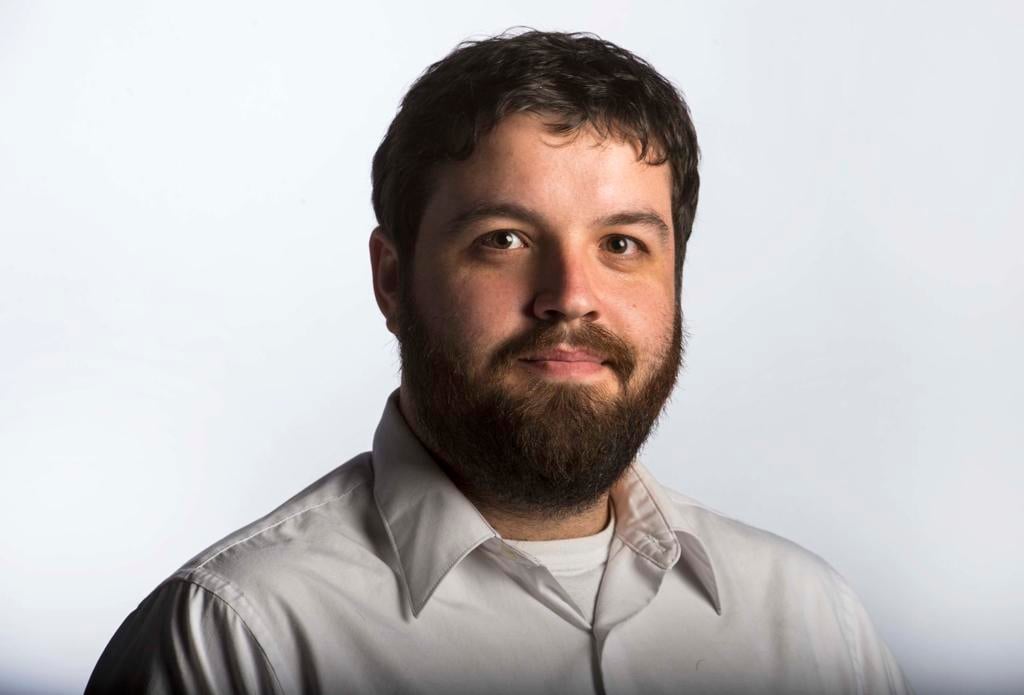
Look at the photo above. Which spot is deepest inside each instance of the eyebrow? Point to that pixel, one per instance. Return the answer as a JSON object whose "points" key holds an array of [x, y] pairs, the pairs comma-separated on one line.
{"points": [[626, 218], [646, 218], [483, 211]]}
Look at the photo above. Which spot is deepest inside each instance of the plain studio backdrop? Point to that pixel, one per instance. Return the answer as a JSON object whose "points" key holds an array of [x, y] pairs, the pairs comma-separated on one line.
{"points": [[188, 334]]}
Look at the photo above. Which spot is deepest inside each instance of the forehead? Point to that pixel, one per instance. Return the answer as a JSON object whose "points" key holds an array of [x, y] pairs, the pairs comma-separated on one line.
{"points": [[564, 176]]}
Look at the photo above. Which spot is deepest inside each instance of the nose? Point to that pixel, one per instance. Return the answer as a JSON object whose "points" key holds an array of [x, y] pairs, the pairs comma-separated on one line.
{"points": [[564, 288]]}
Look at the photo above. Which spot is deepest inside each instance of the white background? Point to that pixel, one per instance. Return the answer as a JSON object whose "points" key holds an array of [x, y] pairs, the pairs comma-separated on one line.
{"points": [[188, 334]]}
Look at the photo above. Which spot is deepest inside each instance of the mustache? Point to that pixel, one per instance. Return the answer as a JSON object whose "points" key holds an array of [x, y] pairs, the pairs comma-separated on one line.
{"points": [[618, 354]]}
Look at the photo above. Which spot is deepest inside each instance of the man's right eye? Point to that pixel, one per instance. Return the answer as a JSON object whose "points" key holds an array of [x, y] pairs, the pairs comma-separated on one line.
{"points": [[503, 240]]}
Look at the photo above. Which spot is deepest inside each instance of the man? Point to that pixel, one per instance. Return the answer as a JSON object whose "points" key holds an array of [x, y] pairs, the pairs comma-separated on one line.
{"points": [[534, 195]]}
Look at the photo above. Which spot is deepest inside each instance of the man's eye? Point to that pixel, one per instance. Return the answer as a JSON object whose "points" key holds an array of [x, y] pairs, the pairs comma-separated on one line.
{"points": [[622, 245], [502, 239]]}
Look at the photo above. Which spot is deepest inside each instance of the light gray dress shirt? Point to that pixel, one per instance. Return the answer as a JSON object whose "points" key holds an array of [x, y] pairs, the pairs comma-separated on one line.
{"points": [[382, 577]]}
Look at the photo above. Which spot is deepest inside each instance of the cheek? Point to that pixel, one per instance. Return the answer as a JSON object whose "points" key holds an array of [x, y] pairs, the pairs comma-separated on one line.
{"points": [[492, 311], [648, 322], [474, 311]]}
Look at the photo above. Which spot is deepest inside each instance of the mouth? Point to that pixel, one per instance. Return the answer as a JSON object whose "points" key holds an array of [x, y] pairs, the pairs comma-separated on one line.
{"points": [[565, 362]]}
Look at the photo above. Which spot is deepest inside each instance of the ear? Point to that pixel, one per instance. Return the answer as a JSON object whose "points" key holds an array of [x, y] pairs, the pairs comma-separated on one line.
{"points": [[384, 264]]}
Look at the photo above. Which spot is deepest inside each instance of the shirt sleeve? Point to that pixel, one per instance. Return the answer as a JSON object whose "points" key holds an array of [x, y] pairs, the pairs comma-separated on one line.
{"points": [[183, 638], [875, 665]]}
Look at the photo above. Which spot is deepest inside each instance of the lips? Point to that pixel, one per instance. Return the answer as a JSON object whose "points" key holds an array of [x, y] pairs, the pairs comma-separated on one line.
{"points": [[564, 355]]}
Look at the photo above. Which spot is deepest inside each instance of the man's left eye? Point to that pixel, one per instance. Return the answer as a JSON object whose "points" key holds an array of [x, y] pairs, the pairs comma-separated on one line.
{"points": [[622, 245]]}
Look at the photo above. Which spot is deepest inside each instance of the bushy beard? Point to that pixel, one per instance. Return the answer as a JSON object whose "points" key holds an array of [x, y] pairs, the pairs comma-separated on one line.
{"points": [[546, 448]]}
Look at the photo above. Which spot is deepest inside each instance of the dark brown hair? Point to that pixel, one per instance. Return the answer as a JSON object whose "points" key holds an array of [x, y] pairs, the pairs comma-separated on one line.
{"points": [[574, 79]]}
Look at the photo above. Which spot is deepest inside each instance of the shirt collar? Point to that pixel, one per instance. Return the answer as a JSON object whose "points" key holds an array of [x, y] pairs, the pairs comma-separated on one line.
{"points": [[662, 529], [433, 526]]}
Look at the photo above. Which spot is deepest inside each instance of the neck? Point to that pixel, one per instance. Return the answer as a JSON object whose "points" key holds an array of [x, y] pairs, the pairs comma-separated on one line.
{"points": [[518, 527], [514, 524]]}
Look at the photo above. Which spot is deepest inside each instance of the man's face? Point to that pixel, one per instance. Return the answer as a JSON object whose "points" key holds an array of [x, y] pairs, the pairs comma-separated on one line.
{"points": [[539, 326]]}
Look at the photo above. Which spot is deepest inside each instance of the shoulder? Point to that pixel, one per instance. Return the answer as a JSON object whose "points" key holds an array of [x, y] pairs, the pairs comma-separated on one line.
{"points": [[185, 638], [739, 547], [333, 517], [764, 576], [771, 580], [210, 622]]}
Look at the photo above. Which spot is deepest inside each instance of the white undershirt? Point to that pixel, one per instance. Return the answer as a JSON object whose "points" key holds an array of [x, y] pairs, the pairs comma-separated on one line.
{"points": [[576, 563]]}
